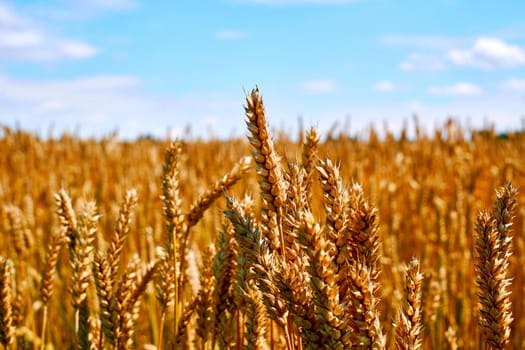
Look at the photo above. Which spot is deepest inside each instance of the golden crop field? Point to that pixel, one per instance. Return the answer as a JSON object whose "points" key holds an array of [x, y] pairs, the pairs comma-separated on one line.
{"points": [[328, 242]]}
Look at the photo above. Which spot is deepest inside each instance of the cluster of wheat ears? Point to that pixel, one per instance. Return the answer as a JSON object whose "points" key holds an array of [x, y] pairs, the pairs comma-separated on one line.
{"points": [[370, 243]]}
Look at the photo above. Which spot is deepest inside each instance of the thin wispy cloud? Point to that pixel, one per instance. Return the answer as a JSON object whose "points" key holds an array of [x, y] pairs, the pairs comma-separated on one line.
{"points": [[230, 34], [422, 62], [488, 53], [514, 84], [321, 86], [104, 103], [112, 4], [68, 11], [384, 86], [21, 40], [430, 42], [458, 89]]}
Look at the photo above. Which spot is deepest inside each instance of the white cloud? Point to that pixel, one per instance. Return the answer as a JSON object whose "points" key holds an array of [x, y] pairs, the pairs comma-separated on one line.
{"points": [[384, 86], [488, 53], [319, 86], [422, 62], [98, 105], [230, 35], [458, 89], [431, 42], [8, 16], [514, 85], [21, 40], [74, 10]]}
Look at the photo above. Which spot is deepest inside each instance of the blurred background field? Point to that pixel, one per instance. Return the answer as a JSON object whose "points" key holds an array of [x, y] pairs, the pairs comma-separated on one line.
{"points": [[427, 189]]}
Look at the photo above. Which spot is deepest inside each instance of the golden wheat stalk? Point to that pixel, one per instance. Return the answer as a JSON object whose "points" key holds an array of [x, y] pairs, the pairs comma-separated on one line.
{"points": [[104, 286], [363, 237], [121, 233], [409, 324], [217, 190], [330, 316], [48, 276], [308, 160], [255, 321], [336, 204], [65, 212], [269, 171], [7, 331], [493, 283], [175, 225], [81, 260], [17, 227], [205, 308], [224, 272]]}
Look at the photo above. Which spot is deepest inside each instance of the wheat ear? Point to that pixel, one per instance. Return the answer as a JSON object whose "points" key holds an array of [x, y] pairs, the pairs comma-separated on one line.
{"points": [[121, 233], [217, 190], [205, 314], [81, 260], [308, 160], [269, 171], [493, 283], [408, 324], [7, 331], [224, 272], [48, 277]]}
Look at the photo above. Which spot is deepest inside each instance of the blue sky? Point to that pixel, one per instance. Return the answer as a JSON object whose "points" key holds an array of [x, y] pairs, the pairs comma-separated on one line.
{"points": [[153, 67]]}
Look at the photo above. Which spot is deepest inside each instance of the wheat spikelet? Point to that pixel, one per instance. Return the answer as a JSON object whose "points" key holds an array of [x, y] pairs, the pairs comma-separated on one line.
{"points": [[192, 273], [65, 212], [172, 203], [81, 259], [363, 238], [262, 273], [121, 233], [205, 314], [329, 311], [294, 285], [504, 210], [166, 281], [409, 324], [94, 334], [132, 286], [82, 254], [7, 331], [104, 285], [255, 263], [256, 321], [363, 313], [165, 286], [296, 204], [182, 334], [269, 171], [245, 234], [176, 227], [49, 273], [224, 272], [122, 311], [216, 190], [16, 225], [335, 201], [308, 157], [493, 283]]}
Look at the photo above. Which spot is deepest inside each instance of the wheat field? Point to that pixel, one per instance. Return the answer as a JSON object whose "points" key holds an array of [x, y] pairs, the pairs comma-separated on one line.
{"points": [[263, 242]]}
